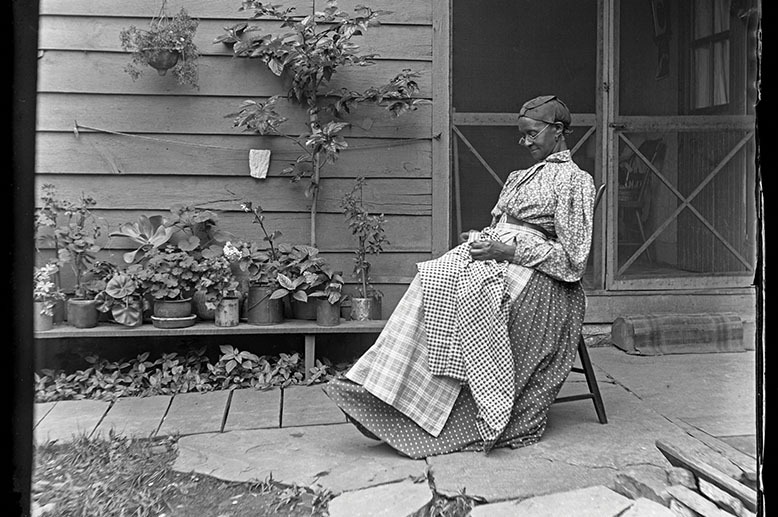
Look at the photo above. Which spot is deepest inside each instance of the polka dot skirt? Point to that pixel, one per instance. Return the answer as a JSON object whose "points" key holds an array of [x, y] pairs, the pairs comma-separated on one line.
{"points": [[544, 325]]}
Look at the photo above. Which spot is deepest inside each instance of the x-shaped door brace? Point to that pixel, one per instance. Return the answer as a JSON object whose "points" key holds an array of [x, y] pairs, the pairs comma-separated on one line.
{"points": [[686, 202], [494, 175]]}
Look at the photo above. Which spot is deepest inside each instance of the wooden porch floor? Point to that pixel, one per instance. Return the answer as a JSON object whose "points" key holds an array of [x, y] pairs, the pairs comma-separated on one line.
{"points": [[185, 413]]}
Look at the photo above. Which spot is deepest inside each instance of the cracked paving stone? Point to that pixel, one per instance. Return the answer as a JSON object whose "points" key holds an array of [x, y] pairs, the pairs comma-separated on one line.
{"points": [[391, 500], [336, 457], [595, 501], [646, 508]]}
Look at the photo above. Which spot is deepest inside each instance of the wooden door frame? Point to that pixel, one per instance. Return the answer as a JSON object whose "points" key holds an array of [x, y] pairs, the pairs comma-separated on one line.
{"points": [[616, 124]]}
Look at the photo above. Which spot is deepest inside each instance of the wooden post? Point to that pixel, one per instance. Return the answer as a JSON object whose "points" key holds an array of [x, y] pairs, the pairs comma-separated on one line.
{"points": [[310, 354]]}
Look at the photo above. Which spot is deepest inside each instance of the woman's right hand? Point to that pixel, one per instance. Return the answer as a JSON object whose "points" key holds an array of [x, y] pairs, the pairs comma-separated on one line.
{"points": [[465, 236]]}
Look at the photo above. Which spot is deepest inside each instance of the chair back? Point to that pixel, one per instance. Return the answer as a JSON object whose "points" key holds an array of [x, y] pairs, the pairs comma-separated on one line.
{"points": [[598, 195]]}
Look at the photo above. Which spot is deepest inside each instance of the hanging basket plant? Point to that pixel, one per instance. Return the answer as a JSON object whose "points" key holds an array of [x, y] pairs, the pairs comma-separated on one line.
{"points": [[168, 44]]}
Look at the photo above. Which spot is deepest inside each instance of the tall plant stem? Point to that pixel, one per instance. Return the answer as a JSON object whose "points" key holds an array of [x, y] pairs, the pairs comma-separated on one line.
{"points": [[314, 197]]}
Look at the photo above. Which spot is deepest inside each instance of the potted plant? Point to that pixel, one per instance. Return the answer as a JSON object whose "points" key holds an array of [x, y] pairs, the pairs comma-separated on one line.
{"points": [[221, 291], [307, 54], [168, 44], [328, 299], [77, 246], [123, 298], [169, 274], [45, 296], [262, 266], [369, 232], [297, 278]]}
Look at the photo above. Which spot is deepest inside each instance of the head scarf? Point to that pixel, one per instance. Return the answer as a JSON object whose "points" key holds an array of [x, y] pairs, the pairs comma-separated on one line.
{"points": [[548, 109]]}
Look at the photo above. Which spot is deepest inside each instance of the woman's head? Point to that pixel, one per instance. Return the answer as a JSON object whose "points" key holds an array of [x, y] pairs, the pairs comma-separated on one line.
{"points": [[543, 123]]}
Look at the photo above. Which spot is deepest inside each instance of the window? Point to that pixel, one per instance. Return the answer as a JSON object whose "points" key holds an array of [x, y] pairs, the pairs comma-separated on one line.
{"points": [[710, 53]]}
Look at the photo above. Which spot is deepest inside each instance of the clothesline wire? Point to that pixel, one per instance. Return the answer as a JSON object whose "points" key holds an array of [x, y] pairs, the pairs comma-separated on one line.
{"points": [[77, 126]]}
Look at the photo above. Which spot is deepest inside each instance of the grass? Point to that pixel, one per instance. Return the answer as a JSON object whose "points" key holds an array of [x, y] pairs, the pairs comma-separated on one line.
{"points": [[118, 476]]}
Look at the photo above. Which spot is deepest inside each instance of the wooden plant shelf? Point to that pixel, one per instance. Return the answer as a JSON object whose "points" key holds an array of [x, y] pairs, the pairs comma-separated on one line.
{"points": [[309, 329]]}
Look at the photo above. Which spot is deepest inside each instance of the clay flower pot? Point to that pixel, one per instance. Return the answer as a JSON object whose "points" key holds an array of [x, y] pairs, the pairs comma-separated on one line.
{"points": [[161, 59], [173, 308], [82, 313]]}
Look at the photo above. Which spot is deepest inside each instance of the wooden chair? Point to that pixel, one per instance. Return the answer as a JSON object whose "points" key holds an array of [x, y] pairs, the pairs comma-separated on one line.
{"points": [[586, 364]]}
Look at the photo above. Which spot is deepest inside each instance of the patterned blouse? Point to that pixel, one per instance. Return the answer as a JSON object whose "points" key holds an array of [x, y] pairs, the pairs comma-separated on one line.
{"points": [[558, 196]]}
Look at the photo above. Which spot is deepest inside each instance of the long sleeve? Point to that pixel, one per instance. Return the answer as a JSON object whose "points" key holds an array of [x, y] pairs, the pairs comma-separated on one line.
{"points": [[564, 258]]}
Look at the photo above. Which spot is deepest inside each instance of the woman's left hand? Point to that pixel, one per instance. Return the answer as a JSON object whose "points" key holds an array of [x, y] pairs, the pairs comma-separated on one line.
{"points": [[491, 250]]}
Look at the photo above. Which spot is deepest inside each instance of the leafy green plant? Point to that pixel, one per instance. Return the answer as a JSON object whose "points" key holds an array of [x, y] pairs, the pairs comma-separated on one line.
{"points": [[123, 298], [73, 230], [310, 51], [148, 233], [298, 274], [169, 273], [368, 230], [168, 43], [217, 281], [333, 285], [45, 290]]}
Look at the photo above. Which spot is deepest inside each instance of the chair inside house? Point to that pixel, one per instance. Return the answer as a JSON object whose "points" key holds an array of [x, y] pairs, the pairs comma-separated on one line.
{"points": [[634, 192], [586, 364]]}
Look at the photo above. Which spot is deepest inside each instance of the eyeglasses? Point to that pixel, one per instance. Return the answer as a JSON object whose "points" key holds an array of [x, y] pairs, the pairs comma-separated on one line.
{"points": [[528, 139]]}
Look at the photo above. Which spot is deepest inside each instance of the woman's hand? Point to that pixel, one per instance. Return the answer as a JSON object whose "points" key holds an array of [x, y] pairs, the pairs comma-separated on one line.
{"points": [[491, 250], [465, 236]]}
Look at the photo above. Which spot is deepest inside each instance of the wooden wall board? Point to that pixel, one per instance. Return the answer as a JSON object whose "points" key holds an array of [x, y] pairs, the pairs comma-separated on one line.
{"points": [[68, 71], [407, 197], [101, 153], [206, 115], [412, 42], [401, 11]]}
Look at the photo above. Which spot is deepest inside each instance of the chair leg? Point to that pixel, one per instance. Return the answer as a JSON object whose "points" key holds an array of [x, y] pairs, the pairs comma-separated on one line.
{"points": [[591, 380]]}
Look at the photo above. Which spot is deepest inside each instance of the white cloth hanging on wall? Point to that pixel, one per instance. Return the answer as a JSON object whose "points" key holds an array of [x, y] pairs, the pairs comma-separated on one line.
{"points": [[259, 160]]}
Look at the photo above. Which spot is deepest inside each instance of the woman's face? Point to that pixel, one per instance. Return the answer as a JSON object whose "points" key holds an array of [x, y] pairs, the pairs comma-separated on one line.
{"points": [[538, 137]]}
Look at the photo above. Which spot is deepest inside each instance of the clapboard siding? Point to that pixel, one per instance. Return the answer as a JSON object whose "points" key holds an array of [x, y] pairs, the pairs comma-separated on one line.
{"points": [[143, 146], [405, 233], [401, 11], [99, 153], [103, 72], [407, 42], [406, 197], [205, 115]]}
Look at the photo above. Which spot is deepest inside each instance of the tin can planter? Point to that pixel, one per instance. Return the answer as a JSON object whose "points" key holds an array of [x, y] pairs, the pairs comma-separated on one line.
{"points": [[173, 308], [361, 308], [260, 309], [41, 321], [227, 313], [327, 314], [82, 313], [304, 310]]}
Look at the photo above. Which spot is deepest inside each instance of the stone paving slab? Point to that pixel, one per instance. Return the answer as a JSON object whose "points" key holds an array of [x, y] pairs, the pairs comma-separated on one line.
{"points": [[135, 417], [309, 405], [40, 410], [70, 418], [254, 409], [715, 392], [576, 451], [594, 501], [392, 500], [336, 457], [643, 507], [192, 413]]}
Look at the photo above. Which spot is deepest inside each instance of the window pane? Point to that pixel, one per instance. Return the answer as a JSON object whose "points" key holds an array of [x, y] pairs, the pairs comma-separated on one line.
{"points": [[703, 18], [702, 77], [721, 15], [721, 73]]}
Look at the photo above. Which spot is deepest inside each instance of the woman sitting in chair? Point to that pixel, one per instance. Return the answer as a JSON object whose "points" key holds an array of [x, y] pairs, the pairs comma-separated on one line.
{"points": [[477, 349]]}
